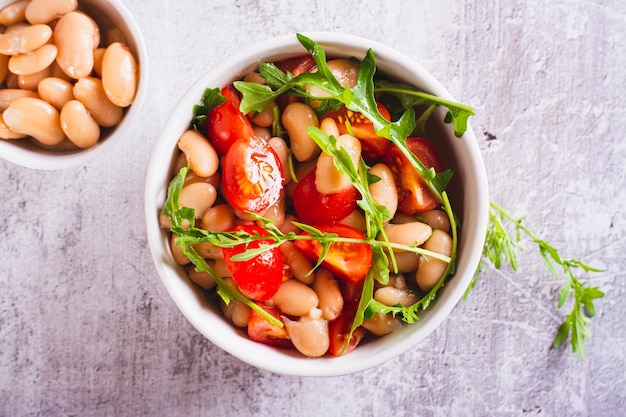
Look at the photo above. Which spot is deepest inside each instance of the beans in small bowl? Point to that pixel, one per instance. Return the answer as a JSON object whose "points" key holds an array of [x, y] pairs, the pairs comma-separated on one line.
{"points": [[73, 74], [305, 222]]}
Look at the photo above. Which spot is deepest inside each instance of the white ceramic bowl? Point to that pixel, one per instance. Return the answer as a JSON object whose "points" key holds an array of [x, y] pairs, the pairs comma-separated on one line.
{"points": [[469, 193], [108, 13]]}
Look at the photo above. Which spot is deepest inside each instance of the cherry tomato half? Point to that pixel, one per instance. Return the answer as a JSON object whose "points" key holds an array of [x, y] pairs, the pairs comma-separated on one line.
{"points": [[259, 277], [252, 175], [347, 261], [373, 147], [262, 331], [339, 331], [414, 196], [226, 124], [314, 207], [297, 65]]}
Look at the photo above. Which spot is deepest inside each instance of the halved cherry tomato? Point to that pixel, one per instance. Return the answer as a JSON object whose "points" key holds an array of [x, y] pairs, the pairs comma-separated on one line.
{"points": [[314, 207], [339, 331], [414, 196], [252, 175], [259, 277], [262, 331], [226, 124], [297, 65], [373, 146], [347, 261]]}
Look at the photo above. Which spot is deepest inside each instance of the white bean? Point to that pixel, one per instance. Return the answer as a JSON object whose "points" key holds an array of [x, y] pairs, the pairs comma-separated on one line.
{"points": [[201, 278], [391, 296], [218, 218], [14, 13], [328, 293], [382, 324], [296, 118], [409, 234], [294, 298], [89, 91], [8, 95], [55, 91], [22, 38], [299, 265], [384, 192], [437, 219], [78, 125], [120, 75], [198, 196], [328, 179], [74, 36], [177, 252], [280, 147], [309, 335], [45, 11], [34, 61], [35, 117], [7, 133], [31, 81], [201, 155], [430, 270]]}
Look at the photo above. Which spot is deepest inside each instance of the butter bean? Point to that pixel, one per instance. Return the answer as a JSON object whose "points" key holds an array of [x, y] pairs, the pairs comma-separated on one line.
{"points": [[199, 152], [218, 218], [14, 13], [98, 53], [382, 324], [89, 91], [409, 234], [78, 125], [299, 265], [295, 298], [430, 270], [34, 61], [309, 335], [328, 293], [7, 133], [55, 91], [384, 192], [329, 126], [199, 196], [74, 36], [119, 74], [31, 81], [280, 147], [45, 11], [296, 118], [328, 179], [391, 296], [35, 117], [200, 278], [8, 95], [437, 219], [177, 253], [346, 71], [22, 38]]}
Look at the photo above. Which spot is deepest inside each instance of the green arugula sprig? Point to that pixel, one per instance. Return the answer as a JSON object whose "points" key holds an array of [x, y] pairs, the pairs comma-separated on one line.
{"points": [[502, 248]]}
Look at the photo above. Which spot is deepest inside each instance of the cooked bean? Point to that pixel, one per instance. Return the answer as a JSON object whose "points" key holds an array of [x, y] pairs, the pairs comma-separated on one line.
{"points": [[328, 293], [218, 218], [296, 118], [262, 132], [13, 13], [405, 261], [22, 38], [235, 311], [355, 219], [346, 71], [409, 234], [294, 298], [201, 278], [55, 91], [430, 270], [309, 335], [177, 252], [198, 196], [397, 281], [74, 36], [34, 61], [45, 11], [221, 269], [382, 324], [31, 81], [35, 117], [328, 179], [384, 192], [8, 95], [202, 157], [214, 179], [119, 74], [209, 251], [275, 213], [437, 219], [78, 125], [299, 265], [391, 296], [265, 118], [98, 53], [89, 91], [7, 133]]}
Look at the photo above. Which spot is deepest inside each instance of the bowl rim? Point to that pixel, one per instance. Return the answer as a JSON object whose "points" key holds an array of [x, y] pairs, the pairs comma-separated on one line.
{"points": [[221, 333], [38, 158]]}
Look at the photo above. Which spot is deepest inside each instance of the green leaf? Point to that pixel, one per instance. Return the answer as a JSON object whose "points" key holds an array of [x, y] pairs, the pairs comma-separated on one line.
{"points": [[211, 99]]}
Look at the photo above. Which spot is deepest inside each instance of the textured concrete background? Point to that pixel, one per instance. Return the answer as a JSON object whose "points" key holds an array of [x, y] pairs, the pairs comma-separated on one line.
{"points": [[87, 329]]}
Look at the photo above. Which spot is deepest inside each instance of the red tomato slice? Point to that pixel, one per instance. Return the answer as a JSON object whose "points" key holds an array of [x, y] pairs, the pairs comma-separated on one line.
{"points": [[373, 146], [252, 175], [262, 331], [297, 65], [259, 277], [226, 124], [314, 207], [414, 196], [347, 261], [339, 331]]}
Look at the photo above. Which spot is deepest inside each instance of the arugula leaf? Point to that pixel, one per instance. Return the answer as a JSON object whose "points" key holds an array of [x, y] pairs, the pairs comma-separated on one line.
{"points": [[211, 99], [501, 246]]}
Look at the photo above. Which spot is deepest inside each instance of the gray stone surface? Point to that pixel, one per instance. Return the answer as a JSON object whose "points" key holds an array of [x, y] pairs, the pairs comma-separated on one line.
{"points": [[87, 329]]}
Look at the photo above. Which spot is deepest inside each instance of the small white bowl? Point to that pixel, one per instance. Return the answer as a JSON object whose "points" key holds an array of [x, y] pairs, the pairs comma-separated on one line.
{"points": [[469, 192], [112, 13]]}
